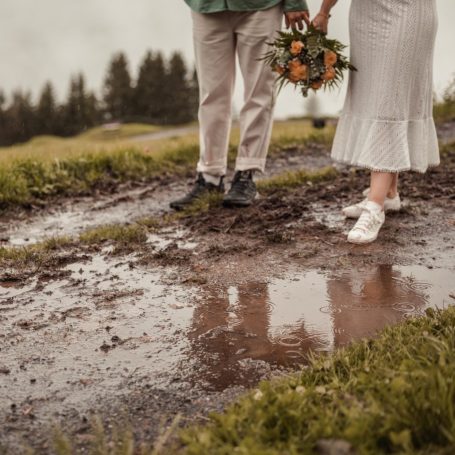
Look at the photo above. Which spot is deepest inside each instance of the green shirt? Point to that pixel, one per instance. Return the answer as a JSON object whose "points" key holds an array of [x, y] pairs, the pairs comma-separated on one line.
{"points": [[215, 6]]}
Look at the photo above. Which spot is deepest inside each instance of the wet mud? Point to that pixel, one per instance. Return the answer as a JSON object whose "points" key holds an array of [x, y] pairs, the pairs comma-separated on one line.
{"points": [[210, 305]]}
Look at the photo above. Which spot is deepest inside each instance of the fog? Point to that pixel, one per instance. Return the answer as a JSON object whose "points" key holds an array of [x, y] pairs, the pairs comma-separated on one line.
{"points": [[52, 39]]}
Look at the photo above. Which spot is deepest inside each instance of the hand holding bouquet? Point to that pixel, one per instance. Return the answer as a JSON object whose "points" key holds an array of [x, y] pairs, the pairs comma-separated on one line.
{"points": [[308, 60]]}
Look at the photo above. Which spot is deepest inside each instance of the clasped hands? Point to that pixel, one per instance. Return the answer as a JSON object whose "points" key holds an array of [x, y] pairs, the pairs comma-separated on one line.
{"points": [[297, 19]]}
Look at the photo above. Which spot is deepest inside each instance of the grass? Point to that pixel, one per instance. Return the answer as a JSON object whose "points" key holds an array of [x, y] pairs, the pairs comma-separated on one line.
{"points": [[50, 167], [395, 394], [26, 181], [33, 255], [444, 108], [48, 148], [447, 148], [123, 235], [297, 178], [444, 111], [124, 238]]}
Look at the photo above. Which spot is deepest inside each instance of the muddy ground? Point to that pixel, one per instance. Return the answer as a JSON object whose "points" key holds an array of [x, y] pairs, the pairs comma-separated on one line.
{"points": [[212, 303]]}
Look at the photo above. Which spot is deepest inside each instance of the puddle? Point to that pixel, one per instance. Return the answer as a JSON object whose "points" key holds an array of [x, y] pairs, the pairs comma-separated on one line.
{"points": [[164, 239], [277, 323], [109, 325], [74, 340], [79, 216]]}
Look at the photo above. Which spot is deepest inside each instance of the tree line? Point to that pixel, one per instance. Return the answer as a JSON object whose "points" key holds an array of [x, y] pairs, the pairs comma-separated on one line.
{"points": [[164, 92]]}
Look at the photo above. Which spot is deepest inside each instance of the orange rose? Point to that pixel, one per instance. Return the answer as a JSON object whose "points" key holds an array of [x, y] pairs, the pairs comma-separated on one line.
{"points": [[316, 85], [294, 64], [296, 47], [330, 58], [293, 77], [299, 73], [329, 74], [279, 69]]}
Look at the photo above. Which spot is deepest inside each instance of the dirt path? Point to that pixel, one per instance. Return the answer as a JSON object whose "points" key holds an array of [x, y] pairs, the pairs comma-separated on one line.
{"points": [[166, 134], [211, 304]]}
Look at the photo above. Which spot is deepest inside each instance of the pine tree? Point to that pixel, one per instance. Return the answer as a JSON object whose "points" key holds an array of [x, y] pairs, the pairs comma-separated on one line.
{"points": [[3, 131], [149, 102], [118, 90], [194, 95], [20, 122], [93, 113], [46, 111], [80, 110], [178, 92], [449, 93]]}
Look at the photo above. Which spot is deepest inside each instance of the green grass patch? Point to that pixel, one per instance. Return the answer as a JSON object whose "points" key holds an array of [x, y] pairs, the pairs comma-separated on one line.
{"points": [[202, 205], [292, 137], [393, 394], [32, 255], [444, 109], [444, 112], [132, 234], [124, 238], [297, 178], [26, 181], [448, 149]]}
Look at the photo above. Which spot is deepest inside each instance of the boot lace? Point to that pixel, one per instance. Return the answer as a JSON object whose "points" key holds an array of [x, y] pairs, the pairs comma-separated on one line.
{"points": [[241, 181]]}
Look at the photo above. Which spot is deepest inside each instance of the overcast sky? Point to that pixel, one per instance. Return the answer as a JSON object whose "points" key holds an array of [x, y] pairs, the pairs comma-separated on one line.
{"points": [[51, 39]]}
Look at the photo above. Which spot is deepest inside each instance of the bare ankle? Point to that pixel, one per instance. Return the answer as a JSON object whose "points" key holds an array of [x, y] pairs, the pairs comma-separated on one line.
{"points": [[392, 194], [377, 201]]}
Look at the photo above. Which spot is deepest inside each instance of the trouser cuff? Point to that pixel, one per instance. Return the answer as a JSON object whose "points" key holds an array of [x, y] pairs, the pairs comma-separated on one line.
{"points": [[215, 169], [250, 164]]}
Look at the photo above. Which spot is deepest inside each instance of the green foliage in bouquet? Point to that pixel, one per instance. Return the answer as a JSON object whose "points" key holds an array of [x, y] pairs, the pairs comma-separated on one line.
{"points": [[308, 60]]}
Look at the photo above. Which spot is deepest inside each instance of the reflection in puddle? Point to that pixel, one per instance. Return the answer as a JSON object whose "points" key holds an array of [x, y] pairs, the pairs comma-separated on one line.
{"points": [[111, 322], [278, 323]]}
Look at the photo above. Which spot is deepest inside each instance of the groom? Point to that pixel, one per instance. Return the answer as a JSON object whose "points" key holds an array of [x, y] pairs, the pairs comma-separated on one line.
{"points": [[222, 31]]}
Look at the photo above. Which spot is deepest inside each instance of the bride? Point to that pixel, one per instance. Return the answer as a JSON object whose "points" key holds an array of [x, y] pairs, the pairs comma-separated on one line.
{"points": [[386, 125]]}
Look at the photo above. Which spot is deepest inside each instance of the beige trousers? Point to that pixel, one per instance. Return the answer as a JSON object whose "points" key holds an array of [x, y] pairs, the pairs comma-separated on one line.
{"points": [[218, 39]]}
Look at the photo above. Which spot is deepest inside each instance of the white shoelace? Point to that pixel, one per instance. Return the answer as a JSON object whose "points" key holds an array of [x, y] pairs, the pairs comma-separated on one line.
{"points": [[367, 220]]}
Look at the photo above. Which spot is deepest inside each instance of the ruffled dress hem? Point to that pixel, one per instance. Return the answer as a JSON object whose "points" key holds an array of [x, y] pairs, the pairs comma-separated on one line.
{"points": [[386, 146]]}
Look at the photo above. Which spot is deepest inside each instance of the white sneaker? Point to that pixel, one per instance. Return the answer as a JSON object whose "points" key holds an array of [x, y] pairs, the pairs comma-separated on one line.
{"points": [[390, 205], [368, 225]]}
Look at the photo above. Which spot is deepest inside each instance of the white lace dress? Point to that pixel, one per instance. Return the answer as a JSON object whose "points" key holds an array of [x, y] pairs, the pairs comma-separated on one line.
{"points": [[387, 121]]}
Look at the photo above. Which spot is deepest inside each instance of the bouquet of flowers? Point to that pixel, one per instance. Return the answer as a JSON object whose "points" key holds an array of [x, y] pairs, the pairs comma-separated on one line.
{"points": [[308, 60]]}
